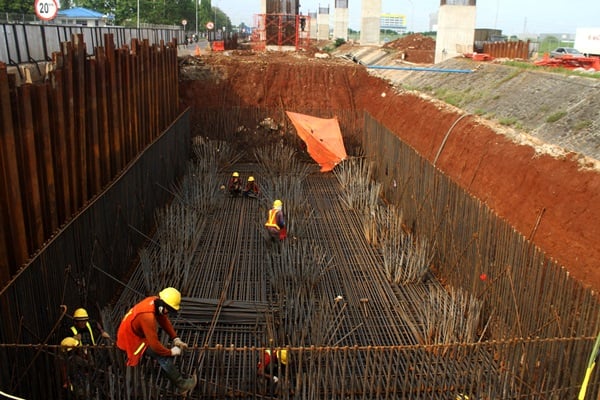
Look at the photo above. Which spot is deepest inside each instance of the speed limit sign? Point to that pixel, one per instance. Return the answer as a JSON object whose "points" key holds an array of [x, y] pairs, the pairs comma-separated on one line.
{"points": [[46, 10], [209, 25]]}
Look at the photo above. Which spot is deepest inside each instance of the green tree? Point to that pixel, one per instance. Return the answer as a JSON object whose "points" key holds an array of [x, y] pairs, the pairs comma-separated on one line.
{"points": [[17, 6]]}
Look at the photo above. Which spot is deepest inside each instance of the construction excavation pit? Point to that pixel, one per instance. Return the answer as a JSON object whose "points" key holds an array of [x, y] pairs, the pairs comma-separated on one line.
{"points": [[438, 257]]}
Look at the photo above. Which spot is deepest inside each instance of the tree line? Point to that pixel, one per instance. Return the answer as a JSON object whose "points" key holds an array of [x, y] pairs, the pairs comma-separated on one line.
{"points": [[159, 12]]}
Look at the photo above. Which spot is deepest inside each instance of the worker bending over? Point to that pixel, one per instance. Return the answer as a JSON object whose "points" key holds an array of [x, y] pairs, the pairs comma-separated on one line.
{"points": [[138, 334]]}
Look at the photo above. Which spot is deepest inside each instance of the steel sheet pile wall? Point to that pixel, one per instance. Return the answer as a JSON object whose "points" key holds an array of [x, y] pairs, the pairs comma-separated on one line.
{"points": [[63, 139], [525, 294], [79, 265]]}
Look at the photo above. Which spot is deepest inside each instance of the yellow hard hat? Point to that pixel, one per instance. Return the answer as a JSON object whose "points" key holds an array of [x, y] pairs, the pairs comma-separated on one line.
{"points": [[236, 174], [80, 314], [250, 179], [171, 297], [277, 203], [69, 342], [282, 356]]}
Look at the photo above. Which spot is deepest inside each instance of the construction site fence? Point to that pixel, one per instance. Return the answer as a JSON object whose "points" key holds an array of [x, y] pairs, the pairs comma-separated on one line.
{"points": [[513, 49], [487, 370], [525, 294], [34, 43], [67, 135]]}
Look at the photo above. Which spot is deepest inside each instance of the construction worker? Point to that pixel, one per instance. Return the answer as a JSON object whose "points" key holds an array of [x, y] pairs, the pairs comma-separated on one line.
{"points": [[76, 369], [276, 222], [272, 366], [251, 189], [235, 185], [138, 335], [88, 333]]}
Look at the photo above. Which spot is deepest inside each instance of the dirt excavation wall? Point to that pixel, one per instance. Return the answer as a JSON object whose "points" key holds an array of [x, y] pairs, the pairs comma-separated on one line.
{"points": [[552, 201]]}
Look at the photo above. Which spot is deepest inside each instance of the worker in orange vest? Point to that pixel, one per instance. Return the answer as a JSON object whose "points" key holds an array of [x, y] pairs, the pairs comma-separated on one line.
{"points": [[276, 222], [138, 334]]}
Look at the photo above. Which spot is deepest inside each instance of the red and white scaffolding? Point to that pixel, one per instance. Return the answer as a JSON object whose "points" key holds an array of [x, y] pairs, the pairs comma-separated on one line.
{"points": [[281, 30]]}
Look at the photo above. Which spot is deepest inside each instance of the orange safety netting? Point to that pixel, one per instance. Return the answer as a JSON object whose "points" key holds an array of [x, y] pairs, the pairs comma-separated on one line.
{"points": [[323, 139]]}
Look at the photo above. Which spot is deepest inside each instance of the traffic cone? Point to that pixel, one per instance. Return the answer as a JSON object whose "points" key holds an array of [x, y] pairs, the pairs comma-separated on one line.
{"points": [[197, 52]]}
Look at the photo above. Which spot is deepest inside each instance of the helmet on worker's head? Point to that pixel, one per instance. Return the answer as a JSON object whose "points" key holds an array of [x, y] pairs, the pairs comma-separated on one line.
{"points": [[69, 342], [235, 174], [282, 356], [277, 203], [250, 179], [171, 297], [80, 314]]}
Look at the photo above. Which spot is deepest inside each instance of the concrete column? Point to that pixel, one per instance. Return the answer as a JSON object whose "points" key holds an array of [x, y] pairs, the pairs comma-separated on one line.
{"points": [[313, 24], [341, 20], [370, 22], [323, 23], [456, 31]]}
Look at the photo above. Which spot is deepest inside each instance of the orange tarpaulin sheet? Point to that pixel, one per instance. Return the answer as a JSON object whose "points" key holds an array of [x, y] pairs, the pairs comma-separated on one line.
{"points": [[323, 139]]}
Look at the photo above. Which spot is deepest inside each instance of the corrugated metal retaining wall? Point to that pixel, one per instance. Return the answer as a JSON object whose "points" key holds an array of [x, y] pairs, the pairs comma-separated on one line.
{"points": [[63, 139]]}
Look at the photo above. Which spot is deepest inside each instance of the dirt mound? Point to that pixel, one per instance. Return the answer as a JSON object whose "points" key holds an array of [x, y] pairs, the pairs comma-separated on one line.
{"points": [[415, 48]]}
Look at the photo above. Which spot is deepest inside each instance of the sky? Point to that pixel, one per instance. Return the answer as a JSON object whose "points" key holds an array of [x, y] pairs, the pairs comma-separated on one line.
{"points": [[513, 17]]}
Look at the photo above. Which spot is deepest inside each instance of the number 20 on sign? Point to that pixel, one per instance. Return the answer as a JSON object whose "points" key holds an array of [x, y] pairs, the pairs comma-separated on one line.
{"points": [[46, 9]]}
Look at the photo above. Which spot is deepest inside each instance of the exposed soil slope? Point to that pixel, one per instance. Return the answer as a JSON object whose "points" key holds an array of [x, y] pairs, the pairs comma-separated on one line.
{"points": [[549, 198]]}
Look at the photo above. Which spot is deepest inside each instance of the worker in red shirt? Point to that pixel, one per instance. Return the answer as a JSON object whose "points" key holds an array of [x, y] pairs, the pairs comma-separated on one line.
{"points": [[138, 335], [234, 185], [276, 222]]}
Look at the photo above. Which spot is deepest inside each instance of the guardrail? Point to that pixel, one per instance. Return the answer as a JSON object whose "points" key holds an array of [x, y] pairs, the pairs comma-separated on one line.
{"points": [[32, 43]]}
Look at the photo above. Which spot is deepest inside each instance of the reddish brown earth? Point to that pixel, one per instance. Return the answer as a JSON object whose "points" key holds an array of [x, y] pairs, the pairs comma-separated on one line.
{"points": [[415, 48], [552, 199]]}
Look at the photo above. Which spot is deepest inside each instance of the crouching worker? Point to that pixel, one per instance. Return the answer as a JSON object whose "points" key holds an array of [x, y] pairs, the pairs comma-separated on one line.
{"points": [[138, 334], [276, 222], [251, 189], [272, 367], [234, 185]]}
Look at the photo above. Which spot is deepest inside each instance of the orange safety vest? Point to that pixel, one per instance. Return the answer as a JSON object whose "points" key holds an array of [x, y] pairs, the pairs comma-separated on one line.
{"points": [[127, 340], [272, 220]]}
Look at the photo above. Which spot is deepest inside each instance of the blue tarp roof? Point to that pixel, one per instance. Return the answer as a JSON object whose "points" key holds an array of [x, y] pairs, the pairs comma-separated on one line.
{"points": [[80, 12]]}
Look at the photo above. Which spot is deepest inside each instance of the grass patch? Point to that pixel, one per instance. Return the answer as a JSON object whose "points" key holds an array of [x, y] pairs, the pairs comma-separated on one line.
{"points": [[510, 121], [556, 116], [581, 125]]}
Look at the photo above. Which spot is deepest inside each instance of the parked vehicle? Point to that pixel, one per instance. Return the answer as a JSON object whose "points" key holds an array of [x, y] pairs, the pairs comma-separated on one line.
{"points": [[566, 51]]}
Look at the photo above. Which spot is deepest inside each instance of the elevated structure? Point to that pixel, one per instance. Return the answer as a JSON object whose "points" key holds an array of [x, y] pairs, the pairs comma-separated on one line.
{"points": [[370, 21], [456, 29], [323, 23], [280, 24], [341, 19]]}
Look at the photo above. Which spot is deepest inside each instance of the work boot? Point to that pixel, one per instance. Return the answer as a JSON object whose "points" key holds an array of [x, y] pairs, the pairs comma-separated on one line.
{"points": [[184, 385]]}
